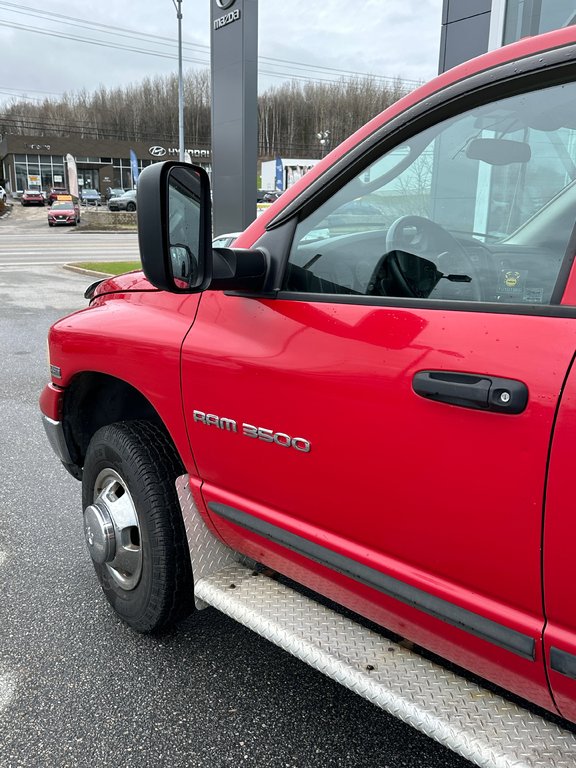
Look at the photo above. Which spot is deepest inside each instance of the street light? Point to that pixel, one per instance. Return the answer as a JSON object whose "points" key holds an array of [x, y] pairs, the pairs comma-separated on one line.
{"points": [[178, 6], [324, 138]]}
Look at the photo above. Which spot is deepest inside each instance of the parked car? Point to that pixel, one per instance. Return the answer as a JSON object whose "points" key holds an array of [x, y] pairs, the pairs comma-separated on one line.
{"points": [[111, 192], [126, 202], [354, 215], [3, 194], [90, 197], [267, 195], [225, 241], [32, 197], [64, 212], [54, 192], [271, 197]]}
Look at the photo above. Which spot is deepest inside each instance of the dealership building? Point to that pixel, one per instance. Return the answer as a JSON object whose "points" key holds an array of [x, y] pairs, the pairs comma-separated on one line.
{"points": [[472, 27], [40, 161], [469, 28]]}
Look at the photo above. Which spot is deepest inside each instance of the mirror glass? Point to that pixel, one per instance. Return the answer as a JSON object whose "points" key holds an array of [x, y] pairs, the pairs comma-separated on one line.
{"points": [[184, 211]]}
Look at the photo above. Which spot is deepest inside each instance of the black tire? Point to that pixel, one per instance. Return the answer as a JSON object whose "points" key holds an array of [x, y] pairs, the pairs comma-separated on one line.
{"points": [[146, 461], [130, 206]]}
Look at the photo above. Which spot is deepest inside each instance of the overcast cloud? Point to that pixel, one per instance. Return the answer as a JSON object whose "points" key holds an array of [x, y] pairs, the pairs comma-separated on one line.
{"points": [[41, 52]]}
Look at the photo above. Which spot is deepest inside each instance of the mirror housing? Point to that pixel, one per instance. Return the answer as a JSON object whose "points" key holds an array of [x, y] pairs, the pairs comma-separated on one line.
{"points": [[239, 269], [175, 235], [174, 226]]}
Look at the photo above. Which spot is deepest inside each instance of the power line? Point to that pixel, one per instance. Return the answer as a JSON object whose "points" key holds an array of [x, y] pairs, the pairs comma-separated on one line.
{"points": [[161, 40], [101, 44], [344, 72], [71, 21], [98, 43], [29, 90], [20, 96]]}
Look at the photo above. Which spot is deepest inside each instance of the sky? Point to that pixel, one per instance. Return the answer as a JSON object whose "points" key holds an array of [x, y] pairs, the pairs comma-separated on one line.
{"points": [[48, 48]]}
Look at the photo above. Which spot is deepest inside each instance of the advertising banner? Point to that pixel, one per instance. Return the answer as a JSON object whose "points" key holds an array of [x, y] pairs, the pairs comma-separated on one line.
{"points": [[279, 185], [72, 175], [134, 167]]}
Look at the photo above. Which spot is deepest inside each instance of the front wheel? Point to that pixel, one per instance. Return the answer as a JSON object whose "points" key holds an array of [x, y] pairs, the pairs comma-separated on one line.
{"points": [[133, 525]]}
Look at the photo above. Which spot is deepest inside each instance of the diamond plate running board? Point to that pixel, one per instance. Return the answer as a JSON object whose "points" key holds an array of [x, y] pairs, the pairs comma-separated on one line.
{"points": [[475, 723], [481, 726]]}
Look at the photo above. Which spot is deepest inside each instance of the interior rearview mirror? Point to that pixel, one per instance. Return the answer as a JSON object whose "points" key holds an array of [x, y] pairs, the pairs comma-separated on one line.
{"points": [[499, 151]]}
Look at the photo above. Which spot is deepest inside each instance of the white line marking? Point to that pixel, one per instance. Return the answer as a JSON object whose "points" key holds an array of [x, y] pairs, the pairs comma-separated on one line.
{"points": [[56, 263], [31, 263]]}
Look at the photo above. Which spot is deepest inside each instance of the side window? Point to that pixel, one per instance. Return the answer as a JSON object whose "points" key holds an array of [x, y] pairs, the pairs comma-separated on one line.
{"points": [[480, 207]]}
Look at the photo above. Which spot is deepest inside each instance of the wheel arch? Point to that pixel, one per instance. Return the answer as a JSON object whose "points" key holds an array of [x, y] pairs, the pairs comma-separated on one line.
{"points": [[94, 400]]}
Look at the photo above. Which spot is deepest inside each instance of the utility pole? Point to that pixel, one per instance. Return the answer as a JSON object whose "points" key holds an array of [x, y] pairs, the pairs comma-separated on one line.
{"points": [[178, 6]]}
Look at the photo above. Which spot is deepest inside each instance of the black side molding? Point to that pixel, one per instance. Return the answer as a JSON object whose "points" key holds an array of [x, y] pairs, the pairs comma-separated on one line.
{"points": [[510, 639], [563, 662]]}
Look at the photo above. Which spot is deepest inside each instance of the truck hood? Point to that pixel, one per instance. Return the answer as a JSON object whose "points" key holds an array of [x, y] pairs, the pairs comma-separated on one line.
{"points": [[131, 281]]}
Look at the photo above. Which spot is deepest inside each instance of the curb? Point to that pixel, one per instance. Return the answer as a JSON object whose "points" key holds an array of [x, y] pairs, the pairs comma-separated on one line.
{"points": [[82, 271], [81, 231]]}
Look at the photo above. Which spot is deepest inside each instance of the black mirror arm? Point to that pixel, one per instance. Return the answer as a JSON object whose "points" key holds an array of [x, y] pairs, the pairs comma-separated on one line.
{"points": [[239, 269]]}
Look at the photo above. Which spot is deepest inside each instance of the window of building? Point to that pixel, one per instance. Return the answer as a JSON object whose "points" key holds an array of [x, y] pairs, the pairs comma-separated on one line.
{"points": [[531, 17], [21, 176]]}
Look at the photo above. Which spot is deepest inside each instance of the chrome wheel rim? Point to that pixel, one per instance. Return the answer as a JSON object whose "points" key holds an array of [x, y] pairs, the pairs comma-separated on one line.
{"points": [[113, 501]]}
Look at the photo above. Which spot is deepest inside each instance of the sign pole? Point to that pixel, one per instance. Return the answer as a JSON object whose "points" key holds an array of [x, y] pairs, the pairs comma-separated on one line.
{"points": [[234, 60]]}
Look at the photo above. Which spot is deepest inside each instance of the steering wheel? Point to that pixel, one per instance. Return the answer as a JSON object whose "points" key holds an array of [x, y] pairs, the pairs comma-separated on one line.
{"points": [[425, 238]]}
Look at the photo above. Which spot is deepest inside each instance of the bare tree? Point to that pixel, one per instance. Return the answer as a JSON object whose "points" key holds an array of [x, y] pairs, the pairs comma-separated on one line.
{"points": [[290, 115]]}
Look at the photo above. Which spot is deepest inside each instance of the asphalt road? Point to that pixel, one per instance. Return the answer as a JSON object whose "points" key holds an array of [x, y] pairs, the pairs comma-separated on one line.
{"points": [[79, 688], [26, 238]]}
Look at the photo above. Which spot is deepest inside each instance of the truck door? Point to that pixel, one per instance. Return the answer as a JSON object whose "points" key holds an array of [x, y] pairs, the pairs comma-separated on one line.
{"points": [[380, 429], [559, 567]]}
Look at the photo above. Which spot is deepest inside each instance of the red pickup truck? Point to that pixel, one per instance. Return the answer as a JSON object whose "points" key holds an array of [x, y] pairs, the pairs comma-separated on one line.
{"points": [[370, 399]]}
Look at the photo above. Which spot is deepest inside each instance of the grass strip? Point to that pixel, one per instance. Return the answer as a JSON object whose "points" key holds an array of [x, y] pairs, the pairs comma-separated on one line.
{"points": [[109, 267]]}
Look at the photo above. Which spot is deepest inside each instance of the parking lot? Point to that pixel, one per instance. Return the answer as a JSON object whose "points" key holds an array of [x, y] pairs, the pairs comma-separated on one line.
{"points": [[77, 687], [34, 218]]}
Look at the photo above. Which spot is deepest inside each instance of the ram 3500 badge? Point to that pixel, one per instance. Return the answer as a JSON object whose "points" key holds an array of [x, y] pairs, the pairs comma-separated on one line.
{"points": [[249, 430]]}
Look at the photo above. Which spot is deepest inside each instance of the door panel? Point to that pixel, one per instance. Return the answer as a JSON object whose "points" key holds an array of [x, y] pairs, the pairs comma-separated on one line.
{"points": [[559, 556], [444, 498], [436, 257]]}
